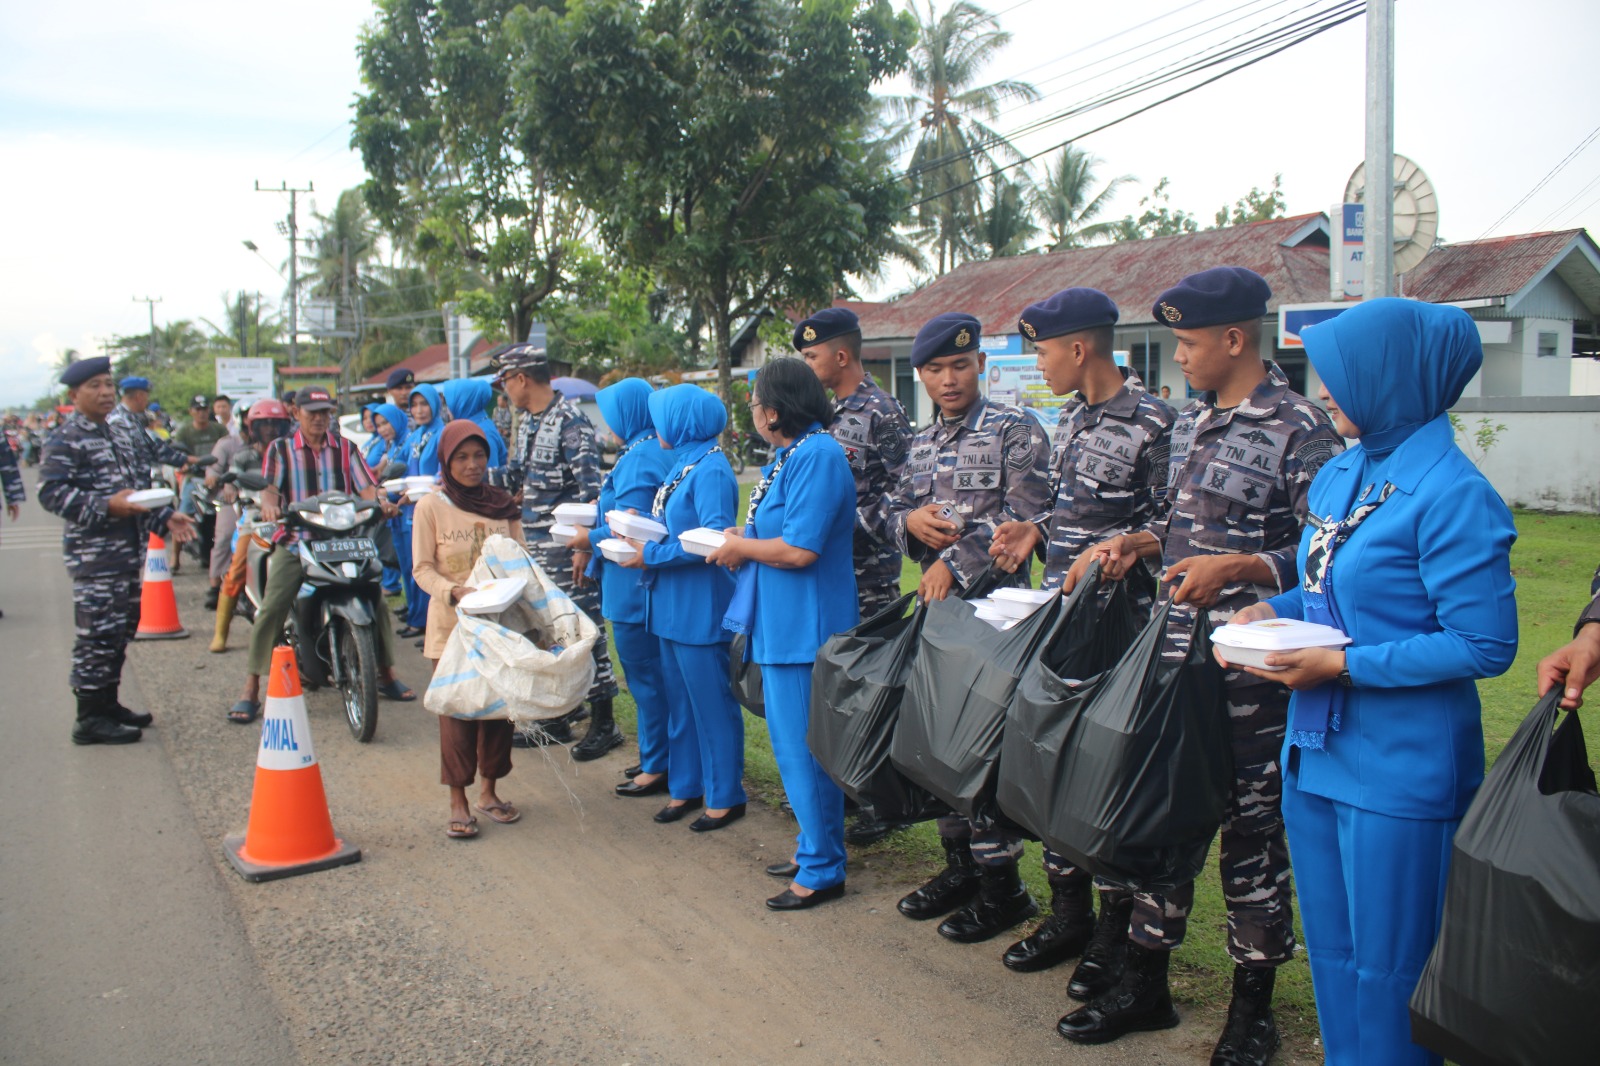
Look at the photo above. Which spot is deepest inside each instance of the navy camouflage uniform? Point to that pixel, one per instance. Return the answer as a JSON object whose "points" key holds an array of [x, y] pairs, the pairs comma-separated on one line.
{"points": [[10, 475], [557, 461], [876, 436], [1237, 483], [85, 463], [991, 466], [148, 448]]}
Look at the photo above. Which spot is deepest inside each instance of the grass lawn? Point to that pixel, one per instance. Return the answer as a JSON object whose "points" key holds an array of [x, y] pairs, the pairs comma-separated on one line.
{"points": [[1553, 560]]}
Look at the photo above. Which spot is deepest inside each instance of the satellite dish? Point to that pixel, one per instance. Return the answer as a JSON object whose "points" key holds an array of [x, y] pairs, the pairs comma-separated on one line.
{"points": [[1416, 210]]}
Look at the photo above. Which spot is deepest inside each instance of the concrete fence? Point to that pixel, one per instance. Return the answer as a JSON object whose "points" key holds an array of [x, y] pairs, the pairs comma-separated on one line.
{"points": [[1548, 455]]}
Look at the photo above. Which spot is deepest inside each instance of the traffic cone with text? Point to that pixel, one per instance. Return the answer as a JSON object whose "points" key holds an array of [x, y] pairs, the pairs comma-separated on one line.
{"points": [[158, 607], [290, 830]]}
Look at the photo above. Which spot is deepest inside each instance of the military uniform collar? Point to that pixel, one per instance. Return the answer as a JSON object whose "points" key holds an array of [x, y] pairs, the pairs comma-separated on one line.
{"points": [[1263, 401], [556, 400], [858, 397], [78, 418]]}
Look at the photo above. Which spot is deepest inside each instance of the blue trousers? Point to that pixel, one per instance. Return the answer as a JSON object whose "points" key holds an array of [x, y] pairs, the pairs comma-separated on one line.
{"points": [[818, 804], [705, 727], [640, 655], [416, 599], [1371, 891]]}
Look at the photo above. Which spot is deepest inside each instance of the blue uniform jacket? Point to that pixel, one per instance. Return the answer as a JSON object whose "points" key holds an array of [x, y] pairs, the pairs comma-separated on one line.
{"points": [[470, 398], [423, 441], [810, 505], [632, 483]]}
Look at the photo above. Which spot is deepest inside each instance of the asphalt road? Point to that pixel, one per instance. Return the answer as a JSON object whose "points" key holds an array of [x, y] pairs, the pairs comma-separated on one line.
{"points": [[584, 934]]}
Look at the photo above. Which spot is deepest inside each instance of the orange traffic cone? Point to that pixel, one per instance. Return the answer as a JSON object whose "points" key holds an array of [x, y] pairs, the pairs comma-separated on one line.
{"points": [[158, 607], [290, 830]]}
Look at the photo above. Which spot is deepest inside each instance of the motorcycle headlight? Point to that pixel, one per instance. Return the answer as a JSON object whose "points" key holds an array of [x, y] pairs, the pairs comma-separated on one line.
{"points": [[339, 516]]}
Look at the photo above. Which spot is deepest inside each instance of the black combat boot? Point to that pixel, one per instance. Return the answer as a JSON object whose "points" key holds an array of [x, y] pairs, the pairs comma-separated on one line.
{"points": [[126, 715], [1141, 1002], [95, 724], [1101, 966], [868, 828], [1251, 1035], [950, 888], [1063, 934], [1003, 901], [542, 734], [603, 733]]}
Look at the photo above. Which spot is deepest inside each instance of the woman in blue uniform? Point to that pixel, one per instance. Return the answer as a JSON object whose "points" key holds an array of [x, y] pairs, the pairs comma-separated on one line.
{"points": [[798, 541], [469, 398], [631, 485], [422, 457], [388, 446], [1409, 554], [684, 605]]}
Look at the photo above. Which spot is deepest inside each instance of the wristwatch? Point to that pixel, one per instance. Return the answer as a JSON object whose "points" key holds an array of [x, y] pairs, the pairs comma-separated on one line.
{"points": [[1344, 679]]}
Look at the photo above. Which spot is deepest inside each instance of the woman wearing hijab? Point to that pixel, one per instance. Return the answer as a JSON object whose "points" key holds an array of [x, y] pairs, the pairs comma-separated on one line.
{"points": [[450, 528], [797, 545], [640, 470], [1409, 553], [388, 446], [422, 458], [469, 399], [684, 605]]}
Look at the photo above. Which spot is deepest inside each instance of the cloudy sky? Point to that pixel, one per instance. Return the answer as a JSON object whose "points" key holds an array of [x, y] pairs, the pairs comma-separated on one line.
{"points": [[132, 135]]}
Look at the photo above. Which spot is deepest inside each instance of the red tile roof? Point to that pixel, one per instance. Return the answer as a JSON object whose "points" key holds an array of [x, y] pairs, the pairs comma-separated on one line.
{"points": [[1288, 252], [431, 364], [1478, 270]]}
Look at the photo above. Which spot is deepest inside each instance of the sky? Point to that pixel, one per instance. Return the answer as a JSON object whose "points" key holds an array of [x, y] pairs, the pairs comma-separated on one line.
{"points": [[132, 135]]}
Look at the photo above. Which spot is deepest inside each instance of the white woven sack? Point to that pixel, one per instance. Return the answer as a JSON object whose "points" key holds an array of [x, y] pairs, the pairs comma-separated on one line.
{"points": [[489, 669]]}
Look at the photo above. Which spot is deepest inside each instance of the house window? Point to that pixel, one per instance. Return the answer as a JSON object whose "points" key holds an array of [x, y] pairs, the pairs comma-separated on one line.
{"points": [[1145, 360], [1548, 343]]}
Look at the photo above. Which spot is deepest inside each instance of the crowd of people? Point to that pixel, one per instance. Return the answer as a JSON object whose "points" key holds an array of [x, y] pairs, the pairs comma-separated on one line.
{"points": [[1364, 759]]}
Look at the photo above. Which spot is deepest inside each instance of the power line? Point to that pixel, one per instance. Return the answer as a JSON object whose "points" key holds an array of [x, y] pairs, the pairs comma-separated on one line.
{"points": [[1558, 168], [1570, 201]]}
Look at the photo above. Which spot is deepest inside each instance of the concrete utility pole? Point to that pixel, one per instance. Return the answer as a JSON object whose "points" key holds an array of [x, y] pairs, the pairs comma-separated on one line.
{"points": [[151, 301], [294, 267], [1378, 230]]}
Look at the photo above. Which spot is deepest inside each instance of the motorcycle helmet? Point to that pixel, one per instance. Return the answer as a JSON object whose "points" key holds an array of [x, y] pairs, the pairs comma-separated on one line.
{"points": [[268, 420]]}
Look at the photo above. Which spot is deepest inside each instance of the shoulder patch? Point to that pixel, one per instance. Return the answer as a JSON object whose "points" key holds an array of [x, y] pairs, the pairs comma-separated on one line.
{"points": [[1313, 454]]}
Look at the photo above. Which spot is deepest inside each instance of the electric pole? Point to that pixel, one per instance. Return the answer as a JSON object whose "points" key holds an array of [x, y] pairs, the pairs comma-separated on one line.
{"points": [[294, 266], [151, 301], [1378, 227]]}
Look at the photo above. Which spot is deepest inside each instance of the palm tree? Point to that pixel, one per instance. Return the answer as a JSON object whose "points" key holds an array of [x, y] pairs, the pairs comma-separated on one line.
{"points": [[1067, 204], [1008, 225], [955, 144]]}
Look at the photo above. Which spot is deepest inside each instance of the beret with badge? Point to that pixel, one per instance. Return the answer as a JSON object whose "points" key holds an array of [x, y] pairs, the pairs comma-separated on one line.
{"points": [[1068, 311], [952, 333], [400, 377], [1220, 296], [82, 370], [826, 324]]}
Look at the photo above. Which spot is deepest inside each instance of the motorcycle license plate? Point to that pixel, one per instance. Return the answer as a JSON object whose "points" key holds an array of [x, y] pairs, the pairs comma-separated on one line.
{"points": [[349, 550]]}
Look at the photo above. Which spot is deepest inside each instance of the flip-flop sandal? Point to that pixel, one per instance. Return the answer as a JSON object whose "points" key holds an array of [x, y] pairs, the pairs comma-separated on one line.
{"points": [[244, 712], [504, 813], [394, 690], [459, 830]]}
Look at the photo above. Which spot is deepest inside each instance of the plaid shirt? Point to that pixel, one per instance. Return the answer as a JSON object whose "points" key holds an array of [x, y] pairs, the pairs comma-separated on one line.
{"points": [[298, 473]]}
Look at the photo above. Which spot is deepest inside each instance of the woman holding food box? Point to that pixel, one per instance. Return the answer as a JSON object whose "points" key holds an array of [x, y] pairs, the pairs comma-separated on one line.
{"points": [[797, 589], [1408, 554], [449, 529], [684, 605]]}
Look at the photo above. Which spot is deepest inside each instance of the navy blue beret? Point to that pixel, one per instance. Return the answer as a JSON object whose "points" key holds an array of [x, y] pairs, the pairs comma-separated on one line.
{"points": [[1220, 296], [952, 333], [127, 384], [82, 370], [400, 378], [1068, 311], [826, 324]]}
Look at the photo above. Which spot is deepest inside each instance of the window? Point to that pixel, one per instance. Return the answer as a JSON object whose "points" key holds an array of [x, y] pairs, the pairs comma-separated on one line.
{"points": [[1548, 344], [1146, 362]]}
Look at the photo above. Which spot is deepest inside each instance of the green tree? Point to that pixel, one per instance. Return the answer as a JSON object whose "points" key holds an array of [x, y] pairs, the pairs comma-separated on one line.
{"points": [[1158, 219], [250, 327], [611, 322], [950, 114], [1007, 226], [720, 142], [345, 241], [1068, 204], [1255, 206]]}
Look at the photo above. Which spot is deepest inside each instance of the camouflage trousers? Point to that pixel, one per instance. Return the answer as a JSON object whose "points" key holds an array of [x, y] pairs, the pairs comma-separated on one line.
{"points": [[877, 597], [105, 612], [556, 560], [990, 845]]}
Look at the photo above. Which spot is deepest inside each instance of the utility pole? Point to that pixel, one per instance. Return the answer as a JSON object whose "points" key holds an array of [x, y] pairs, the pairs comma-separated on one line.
{"points": [[151, 301], [1378, 227], [294, 266]]}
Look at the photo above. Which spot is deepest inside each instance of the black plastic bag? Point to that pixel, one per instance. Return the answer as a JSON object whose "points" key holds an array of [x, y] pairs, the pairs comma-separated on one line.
{"points": [[1515, 975], [1129, 773], [744, 676]]}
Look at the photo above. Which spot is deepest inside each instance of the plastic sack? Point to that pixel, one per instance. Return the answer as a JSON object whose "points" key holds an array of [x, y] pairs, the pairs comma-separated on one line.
{"points": [[744, 677], [1515, 974], [1129, 773], [531, 662]]}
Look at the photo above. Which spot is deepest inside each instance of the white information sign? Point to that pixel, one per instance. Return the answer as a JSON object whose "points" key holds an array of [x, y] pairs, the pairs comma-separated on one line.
{"points": [[246, 380]]}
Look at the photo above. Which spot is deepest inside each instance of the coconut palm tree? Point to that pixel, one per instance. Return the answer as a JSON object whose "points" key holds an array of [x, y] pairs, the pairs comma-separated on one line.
{"points": [[1008, 226], [951, 116], [1067, 203]]}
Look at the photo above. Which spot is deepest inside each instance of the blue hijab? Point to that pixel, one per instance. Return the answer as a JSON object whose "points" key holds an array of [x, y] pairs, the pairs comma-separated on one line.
{"points": [[423, 453], [688, 419], [470, 398], [395, 452]]}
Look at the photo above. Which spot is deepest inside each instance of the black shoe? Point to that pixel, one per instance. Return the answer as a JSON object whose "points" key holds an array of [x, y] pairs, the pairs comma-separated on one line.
{"points": [[98, 729], [1003, 901], [868, 830], [407, 632], [788, 901], [125, 715], [633, 771], [706, 823], [1063, 934], [211, 597], [950, 888], [670, 813], [541, 734], [601, 738], [783, 869], [632, 788], [1140, 1003], [1251, 1036], [1101, 966]]}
